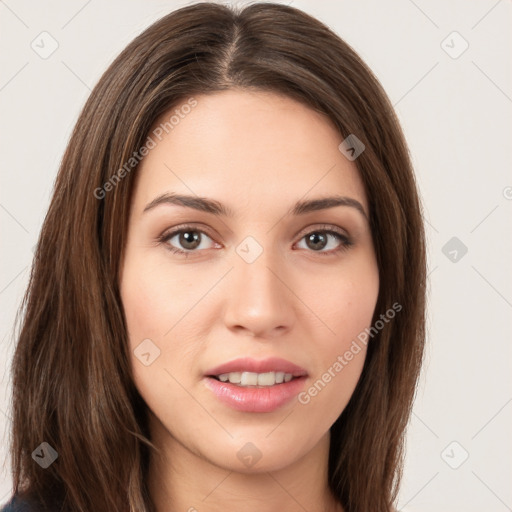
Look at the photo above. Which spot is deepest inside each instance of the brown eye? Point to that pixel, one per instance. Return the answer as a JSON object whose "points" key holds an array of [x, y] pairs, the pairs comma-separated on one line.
{"points": [[316, 241], [187, 240], [325, 241]]}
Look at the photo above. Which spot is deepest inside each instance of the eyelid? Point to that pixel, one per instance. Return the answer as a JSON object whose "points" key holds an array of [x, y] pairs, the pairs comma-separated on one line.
{"points": [[321, 227], [200, 228]]}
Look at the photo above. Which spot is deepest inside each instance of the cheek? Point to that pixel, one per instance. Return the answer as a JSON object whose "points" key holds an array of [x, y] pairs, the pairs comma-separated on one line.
{"points": [[154, 302], [159, 302], [344, 300], [345, 303], [149, 305], [155, 296]]}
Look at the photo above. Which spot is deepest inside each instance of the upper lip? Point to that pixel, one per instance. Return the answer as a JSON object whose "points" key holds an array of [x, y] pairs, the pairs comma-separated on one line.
{"points": [[245, 364]]}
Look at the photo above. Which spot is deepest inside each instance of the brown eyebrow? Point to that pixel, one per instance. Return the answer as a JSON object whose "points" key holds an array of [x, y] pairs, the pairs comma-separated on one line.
{"points": [[302, 207], [197, 203], [216, 208]]}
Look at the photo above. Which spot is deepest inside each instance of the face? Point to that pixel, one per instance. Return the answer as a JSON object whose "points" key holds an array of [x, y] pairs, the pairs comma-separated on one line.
{"points": [[249, 277]]}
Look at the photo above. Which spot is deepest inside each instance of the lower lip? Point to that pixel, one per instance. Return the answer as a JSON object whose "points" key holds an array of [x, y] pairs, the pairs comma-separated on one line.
{"points": [[256, 399]]}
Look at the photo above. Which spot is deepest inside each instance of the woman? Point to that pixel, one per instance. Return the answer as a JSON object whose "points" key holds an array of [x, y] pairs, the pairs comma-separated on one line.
{"points": [[226, 306]]}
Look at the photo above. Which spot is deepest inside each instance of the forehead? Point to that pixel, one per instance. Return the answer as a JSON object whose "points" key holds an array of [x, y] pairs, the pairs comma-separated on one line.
{"points": [[254, 145]]}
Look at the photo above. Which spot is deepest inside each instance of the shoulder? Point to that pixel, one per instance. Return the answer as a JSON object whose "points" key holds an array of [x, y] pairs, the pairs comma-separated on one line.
{"points": [[18, 505]]}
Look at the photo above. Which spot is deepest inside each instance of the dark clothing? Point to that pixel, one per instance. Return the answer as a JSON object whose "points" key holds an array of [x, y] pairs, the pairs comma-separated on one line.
{"points": [[17, 505]]}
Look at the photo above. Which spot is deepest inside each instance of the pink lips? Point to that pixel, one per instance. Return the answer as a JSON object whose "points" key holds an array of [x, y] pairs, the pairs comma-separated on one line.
{"points": [[256, 399], [245, 364]]}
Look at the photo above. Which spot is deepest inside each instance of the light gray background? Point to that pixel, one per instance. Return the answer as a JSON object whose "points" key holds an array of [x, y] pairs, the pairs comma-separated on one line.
{"points": [[456, 113]]}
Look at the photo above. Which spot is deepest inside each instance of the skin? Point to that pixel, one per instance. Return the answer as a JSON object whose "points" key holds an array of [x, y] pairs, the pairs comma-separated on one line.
{"points": [[257, 153]]}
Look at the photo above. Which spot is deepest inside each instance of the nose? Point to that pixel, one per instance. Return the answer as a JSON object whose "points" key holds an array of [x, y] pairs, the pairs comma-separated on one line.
{"points": [[259, 302]]}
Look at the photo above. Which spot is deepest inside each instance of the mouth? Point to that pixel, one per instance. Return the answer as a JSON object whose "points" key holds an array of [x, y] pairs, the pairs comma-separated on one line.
{"points": [[250, 385], [252, 379]]}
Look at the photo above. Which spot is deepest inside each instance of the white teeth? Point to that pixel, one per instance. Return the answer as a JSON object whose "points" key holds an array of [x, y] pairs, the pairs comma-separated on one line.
{"points": [[235, 377], [255, 379], [249, 379], [266, 379]]}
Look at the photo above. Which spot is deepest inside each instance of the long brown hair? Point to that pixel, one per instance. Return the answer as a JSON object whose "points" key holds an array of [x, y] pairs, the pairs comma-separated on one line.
{"points": [[72, 384]]}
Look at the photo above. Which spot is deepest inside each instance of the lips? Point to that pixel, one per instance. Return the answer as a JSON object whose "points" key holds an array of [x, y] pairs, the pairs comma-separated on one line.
{"points": [[245, 364], [256, 399]]}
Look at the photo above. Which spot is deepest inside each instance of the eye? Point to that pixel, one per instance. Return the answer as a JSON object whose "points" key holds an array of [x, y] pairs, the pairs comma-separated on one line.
{"points": [[187, 239], [326, 241]]}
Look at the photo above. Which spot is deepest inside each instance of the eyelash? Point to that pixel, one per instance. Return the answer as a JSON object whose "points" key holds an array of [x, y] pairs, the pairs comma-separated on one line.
{"points": [[346, 242]]}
